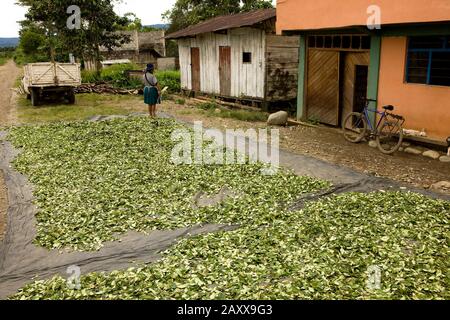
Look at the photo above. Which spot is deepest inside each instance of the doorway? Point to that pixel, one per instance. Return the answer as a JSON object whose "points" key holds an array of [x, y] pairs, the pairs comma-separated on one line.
{"points": [[355, 81], [337, 76], [361, 81]]}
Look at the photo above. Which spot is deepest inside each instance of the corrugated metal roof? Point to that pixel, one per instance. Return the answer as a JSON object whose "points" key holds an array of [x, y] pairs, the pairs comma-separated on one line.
{"points": [[245, 19]]}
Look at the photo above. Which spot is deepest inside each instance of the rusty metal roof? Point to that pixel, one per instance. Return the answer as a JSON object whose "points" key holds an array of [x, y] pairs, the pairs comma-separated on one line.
{"points": [[245, 19]]}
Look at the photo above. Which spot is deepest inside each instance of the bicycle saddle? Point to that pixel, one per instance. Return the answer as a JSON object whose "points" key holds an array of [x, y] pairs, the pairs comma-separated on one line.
{"points": [[389, 108]]}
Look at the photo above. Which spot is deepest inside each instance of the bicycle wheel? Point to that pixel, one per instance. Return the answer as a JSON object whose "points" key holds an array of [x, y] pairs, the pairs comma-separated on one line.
{"points": [[354, 127], [390, 137]]}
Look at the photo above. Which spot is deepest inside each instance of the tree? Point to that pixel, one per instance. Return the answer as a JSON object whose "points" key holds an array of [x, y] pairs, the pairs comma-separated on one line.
{"points": [[97, 28], [189, 12], [32, 41]]}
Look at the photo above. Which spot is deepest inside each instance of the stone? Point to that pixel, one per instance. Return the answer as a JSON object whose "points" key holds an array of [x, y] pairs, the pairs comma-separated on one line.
{"points": [[278, 119], [445, 159], [373, 144], [406, 144], [412, 150], [441, 186], [401, 149], [431, 154], [217, 111]]}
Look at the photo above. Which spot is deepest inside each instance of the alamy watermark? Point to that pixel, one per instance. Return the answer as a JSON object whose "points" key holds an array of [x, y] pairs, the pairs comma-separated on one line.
{"points": [[374, 278], [211, 146], [374, 19], [74, 281], [74, 20]]}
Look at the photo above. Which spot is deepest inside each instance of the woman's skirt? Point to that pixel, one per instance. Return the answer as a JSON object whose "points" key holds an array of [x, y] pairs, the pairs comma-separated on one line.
{"points": [[151, 96]]}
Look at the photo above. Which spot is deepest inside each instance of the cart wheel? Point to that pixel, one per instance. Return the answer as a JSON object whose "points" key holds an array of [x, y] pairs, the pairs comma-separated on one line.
{"points": [[71, 96], [34, 98]]}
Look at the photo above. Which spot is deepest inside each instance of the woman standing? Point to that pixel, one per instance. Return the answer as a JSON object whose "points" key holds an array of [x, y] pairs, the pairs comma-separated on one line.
{"points": [[151, 90]]}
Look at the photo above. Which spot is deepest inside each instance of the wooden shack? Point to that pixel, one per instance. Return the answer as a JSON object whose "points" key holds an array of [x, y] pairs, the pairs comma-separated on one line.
{"points": [[239, 56]]}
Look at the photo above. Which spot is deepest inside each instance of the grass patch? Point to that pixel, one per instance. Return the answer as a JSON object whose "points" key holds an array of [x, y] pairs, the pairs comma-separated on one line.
{"points": [[87, 105], [180, 101], [242, 115], [3, 60], [6, 54], [95, 180], [322, 252]]}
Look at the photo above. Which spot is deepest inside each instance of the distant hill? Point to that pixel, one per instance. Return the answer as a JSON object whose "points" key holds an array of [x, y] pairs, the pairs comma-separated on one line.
{"points": [[9, 42], [159, 26]]}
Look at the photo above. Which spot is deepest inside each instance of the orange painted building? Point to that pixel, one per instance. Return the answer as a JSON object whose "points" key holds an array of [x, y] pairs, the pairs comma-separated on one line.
{"points": [[404, 61]]}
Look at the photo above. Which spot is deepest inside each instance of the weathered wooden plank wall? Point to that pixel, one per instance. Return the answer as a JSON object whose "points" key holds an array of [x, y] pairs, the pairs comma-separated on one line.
{"points": [[282, 59], [247, 79]]}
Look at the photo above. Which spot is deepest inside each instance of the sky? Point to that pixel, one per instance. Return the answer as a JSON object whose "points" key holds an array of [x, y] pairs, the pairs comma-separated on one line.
{"points": [[149, 11]]}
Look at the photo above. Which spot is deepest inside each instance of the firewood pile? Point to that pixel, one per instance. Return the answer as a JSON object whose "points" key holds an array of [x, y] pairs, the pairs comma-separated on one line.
{"points": [[104, 88]]}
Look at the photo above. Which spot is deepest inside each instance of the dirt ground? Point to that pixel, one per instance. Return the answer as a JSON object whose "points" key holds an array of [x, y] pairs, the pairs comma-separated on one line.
{"points": [[328, 144], [8, 75]]}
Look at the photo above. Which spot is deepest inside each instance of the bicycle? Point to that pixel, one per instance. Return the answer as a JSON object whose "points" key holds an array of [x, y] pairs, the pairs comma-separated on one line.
{"points": [[388, 132]]}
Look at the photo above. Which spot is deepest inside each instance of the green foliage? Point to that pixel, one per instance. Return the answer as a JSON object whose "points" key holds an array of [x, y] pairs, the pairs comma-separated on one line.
{"points": [[88, 76], [180, 101], [6, 54], [170, 79], [172, 48], [208, 106], [99, 21], [325, 251], [130, 22], [32, 42], [117, 76], [189, 12], [93, 181]]}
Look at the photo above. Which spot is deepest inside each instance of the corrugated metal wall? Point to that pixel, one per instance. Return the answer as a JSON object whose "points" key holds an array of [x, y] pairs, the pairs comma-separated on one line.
{"points": [[247, 79]]}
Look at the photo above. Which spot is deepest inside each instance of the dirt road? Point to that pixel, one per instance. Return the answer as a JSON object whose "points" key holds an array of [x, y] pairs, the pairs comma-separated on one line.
{"points": [[8, 75]]}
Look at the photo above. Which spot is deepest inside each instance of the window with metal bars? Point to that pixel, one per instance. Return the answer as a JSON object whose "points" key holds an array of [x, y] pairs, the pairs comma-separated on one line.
{"points": [[340, 42], [429, 60]]}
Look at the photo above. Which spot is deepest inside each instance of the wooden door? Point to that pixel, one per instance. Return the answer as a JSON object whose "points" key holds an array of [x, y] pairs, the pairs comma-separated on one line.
{"points": [[225, 70], [195, 69], [323, 86]]}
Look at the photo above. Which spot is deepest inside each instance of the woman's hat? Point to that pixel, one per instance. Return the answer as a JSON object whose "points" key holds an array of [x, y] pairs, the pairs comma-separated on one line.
{"points": [[150, 67]]}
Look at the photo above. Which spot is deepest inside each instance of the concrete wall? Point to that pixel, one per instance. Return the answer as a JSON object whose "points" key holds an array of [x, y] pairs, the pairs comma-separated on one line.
{"points": [[424, 106], [153, 40], [318, 14], [142, 41], [167, 64]]}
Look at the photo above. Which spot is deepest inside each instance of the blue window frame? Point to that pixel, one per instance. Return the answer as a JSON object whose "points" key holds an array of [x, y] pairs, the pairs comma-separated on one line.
{"points": [[429, 60]]}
